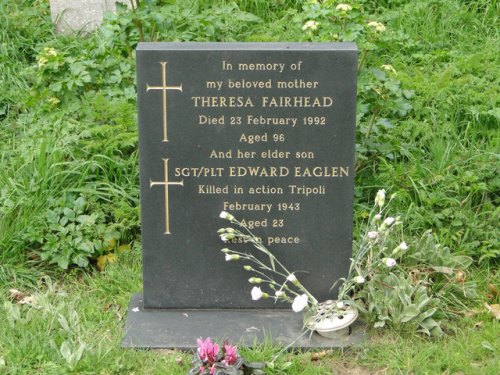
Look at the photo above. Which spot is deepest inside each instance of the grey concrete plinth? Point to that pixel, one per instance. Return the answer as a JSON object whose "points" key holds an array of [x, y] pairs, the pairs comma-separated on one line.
{"points": [[179, 329]]}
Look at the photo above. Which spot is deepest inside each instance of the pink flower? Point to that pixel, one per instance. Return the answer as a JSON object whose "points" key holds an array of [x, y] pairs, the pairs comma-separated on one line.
{"points": [[207, 350], [231, 354]]}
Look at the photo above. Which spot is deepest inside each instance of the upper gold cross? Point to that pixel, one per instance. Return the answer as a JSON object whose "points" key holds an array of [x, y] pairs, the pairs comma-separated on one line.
{"points": [[164, 89]]}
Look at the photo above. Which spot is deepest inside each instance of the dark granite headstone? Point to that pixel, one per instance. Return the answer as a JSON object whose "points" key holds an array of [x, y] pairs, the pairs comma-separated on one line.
{"points": [[264, 131]]}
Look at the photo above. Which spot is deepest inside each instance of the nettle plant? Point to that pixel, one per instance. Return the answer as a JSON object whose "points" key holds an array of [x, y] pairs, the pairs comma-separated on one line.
{"points": [[389, 281]]}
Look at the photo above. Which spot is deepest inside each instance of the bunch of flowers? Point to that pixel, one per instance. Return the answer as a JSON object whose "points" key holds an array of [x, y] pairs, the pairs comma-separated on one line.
{"points": [[376, 250], [271, 279], [212, 359], [279, 283]]}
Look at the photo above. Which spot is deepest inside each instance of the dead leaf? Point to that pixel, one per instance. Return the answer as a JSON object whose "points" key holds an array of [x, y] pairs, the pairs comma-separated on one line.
{"points": [[459, 276], [478, 325], [493, 289], [472, 313], [16, 294], [494, 309], [20, 297], [318, 355], [179, 361], [28, 300], [414, 275]]}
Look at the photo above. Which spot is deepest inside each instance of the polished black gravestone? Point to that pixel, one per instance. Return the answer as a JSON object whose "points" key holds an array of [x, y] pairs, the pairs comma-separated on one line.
{"points": [[264, 131]]}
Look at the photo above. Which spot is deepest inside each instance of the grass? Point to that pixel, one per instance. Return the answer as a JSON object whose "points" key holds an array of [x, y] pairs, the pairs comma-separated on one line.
{"points": [[94, 307], [441, 158]]}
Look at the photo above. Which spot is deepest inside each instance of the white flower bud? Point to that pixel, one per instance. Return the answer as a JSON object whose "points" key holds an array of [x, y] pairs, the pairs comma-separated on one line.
{"points": [[403, 246], [291, 278], [226, 237], [226, 215], [359, 279], [255, 280], [380, 198], [299, 303], [230, 257], [389, 221], [256, 293]]}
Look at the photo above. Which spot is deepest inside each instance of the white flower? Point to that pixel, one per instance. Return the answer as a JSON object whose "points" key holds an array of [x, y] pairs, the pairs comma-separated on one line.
{"points": [[390, 262], [310, 25], [49, 51], [401, 247], [256, 293], [42, 61], [379, 27], [299, 303], [389, 221], [53, 100], [359, 279], [339, 304], [343, 7], [380, 198], [226, 215], [291, 278], [278, 293], [372, 235], [230, 257]]}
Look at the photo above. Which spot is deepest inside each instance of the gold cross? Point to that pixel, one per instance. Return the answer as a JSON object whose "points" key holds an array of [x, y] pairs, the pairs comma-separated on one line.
{"points": [[166, 183], [164, 89]]}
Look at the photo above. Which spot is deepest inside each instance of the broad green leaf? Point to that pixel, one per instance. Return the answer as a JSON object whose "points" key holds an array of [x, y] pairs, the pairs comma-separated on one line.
{"points": [[410, 312], [66, 352]]}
